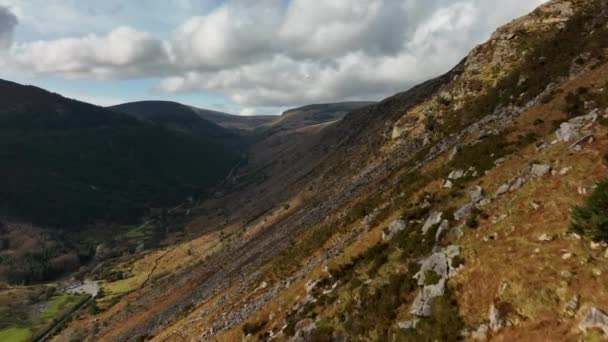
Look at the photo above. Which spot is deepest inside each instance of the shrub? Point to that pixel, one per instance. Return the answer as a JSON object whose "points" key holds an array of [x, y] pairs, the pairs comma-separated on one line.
{"points": [[591, 219]]}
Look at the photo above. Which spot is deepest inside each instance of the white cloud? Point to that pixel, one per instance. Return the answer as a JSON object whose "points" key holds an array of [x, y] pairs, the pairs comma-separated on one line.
{"points": [[234, 33], [123, 53], [270, 54], [8, 21]]}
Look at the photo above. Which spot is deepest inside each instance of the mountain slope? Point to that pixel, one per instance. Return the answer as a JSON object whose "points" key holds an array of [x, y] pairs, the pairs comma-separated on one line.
{"points": [[69, 163]]}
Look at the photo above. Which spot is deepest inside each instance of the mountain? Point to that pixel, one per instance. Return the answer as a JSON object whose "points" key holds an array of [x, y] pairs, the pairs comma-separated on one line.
{"points": [[68, 163], [470, 207], [191, 119], [316, 114]]}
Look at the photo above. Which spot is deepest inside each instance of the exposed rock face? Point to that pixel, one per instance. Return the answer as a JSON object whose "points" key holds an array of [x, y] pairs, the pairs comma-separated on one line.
{"points": [[571, 130], [422, 306], [433, 219], [595, 319], [394, 228], [442, 264]]}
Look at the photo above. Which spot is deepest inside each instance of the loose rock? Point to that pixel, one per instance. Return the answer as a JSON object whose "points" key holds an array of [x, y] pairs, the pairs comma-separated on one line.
{"points": [[540, 170]]}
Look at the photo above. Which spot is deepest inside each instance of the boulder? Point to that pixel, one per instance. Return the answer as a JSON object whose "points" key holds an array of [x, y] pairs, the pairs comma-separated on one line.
{"points": [[517, 183], [463, 212], [433, 219], [540, 170], [567, 132], [393, 228], [545, 238], [477, 194], [595, 319], [503, 189]]}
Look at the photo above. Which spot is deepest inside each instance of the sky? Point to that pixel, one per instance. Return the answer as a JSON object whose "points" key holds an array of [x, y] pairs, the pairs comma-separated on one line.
{"points": [[241, 56]]}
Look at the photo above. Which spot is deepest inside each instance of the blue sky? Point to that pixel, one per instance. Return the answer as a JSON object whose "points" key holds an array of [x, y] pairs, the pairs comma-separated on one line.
{"points": [[240, 56]]}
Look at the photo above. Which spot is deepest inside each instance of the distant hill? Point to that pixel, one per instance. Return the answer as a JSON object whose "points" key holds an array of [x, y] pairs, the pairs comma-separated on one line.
{"points": [[187, 118], [181, 118], [66, 162], [316, 114]]}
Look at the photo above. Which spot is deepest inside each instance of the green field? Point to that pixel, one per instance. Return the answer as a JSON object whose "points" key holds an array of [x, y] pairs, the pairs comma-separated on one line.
{"points": [[54, 310], [15, 334]]}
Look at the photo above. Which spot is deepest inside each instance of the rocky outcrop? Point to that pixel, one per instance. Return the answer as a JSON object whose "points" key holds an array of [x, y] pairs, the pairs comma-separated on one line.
{"points": [[394, 228], [595, 319], [433, 219], [576, 127], [442, 264]]}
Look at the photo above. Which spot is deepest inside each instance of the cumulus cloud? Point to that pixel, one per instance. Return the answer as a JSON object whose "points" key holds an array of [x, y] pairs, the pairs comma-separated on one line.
{"points": [[8, 21], [234, 33], [124, 52], [351, 50], [273, 53]]}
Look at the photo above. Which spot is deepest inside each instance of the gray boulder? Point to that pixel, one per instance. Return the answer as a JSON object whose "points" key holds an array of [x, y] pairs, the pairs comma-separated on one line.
{"points": [[503, 189], [477, 194], [463, 212], [517, 183], [540, 170], [567, 132]]}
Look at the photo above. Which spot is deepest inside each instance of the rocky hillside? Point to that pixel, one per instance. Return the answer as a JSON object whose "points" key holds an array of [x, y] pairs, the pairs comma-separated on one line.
{"points": [[471, 207]]}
